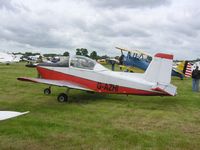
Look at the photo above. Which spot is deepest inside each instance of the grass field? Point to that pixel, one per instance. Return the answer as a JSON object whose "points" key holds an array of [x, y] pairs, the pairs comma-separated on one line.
{"points": [[94, 121]]}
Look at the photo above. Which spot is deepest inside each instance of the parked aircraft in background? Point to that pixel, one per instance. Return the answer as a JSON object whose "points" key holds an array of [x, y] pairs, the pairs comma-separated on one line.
{"points": [[184, 67], [7, 58], [17, 58], [197, 63], [102, 61], [33, 61], [85, 74], [34, 58], [141, 60]]}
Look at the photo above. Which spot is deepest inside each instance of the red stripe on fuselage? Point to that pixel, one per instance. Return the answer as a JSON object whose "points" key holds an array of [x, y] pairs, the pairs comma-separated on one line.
{"points": [[93, 85]]}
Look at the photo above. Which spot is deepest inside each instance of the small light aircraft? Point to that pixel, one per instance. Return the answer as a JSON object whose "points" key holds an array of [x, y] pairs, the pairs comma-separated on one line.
{"points": [[102, 61], [141, 60], [17, 58], [6, 58], [83, 73]]}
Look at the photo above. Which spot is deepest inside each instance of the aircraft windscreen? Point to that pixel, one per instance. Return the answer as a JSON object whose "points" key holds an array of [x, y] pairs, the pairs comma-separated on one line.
{"points": [[82, 62]]}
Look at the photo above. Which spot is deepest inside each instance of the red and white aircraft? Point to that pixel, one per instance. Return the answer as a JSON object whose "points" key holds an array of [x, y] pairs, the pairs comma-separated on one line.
{"points": [[83, 73]]}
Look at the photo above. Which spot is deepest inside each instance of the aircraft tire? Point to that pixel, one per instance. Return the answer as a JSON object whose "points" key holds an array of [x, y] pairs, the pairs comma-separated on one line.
{"points": [[62, 97], [47, 91]]}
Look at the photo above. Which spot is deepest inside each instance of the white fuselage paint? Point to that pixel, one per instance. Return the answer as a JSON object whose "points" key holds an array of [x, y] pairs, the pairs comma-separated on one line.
{"points": [[103, 75]]}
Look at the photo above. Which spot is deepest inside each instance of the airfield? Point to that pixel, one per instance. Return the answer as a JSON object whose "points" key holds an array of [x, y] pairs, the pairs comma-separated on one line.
{"points": [[95, 121]]}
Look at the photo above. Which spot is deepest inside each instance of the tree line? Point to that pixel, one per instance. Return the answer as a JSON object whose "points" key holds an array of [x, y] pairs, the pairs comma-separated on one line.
{"points": [[79, 51]]}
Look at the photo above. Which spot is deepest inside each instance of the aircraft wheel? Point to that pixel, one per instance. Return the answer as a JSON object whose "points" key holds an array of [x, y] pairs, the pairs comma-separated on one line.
{"points": [[47, 91], [62, 97]]}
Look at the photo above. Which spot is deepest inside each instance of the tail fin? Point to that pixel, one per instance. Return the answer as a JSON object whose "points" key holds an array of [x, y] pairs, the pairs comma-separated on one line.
{"points": [[160, 69]]}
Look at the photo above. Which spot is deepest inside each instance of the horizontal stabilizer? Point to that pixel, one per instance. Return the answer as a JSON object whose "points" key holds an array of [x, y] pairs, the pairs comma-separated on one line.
{"points": [[168, 89]]}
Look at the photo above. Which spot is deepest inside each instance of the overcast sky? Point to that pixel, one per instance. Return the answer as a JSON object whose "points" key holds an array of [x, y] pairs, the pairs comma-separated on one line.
{"points": [[54, 26]]}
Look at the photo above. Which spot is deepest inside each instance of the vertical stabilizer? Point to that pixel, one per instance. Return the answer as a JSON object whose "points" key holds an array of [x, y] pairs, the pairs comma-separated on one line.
{"points": [[160, 69]]}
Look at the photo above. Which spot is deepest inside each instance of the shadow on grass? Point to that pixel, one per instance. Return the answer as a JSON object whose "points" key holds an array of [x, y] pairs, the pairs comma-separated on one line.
{"points": [[131, 101]]}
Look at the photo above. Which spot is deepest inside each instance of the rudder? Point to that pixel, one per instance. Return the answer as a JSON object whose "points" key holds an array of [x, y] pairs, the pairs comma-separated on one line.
{"points": [[160, 69]]}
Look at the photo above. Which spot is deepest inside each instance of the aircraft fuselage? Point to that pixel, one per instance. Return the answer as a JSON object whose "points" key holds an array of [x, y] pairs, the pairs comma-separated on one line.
{"points": [[103, 81]]}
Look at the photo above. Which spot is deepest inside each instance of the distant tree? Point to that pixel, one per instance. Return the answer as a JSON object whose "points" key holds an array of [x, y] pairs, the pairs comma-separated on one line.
{"points": [[198, 59], [82, 51], [28, 54], [78, 51], [94, 55], [149, 58], [18, 53], [66, 53], [117, 57]]}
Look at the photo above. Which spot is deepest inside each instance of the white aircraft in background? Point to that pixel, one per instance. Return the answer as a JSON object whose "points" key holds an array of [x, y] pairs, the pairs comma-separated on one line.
{"points": [[6, 58], [17, 58], [195, 65], [83, 73]]}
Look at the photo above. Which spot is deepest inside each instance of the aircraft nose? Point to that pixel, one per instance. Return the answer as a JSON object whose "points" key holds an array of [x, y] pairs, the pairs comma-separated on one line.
{"points": [[43, 64]]}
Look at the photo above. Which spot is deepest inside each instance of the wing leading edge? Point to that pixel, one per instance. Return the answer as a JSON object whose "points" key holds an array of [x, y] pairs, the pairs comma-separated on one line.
{"points": [[10, 114], [60, 83]]}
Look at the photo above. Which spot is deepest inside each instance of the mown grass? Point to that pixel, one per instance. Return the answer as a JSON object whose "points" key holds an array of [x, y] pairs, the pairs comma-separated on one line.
{"points": [[94, 121]]}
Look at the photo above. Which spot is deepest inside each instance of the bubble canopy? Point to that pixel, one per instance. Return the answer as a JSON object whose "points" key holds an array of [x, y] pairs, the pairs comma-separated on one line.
{"points": [[82, 62]]}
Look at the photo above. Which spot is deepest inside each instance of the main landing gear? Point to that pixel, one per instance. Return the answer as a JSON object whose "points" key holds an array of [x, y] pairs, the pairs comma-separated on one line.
{"points": [[47, 91], [62, 97]]}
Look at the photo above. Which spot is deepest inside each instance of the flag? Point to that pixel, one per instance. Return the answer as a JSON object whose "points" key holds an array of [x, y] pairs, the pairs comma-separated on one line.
{"points": [[188, 71]]}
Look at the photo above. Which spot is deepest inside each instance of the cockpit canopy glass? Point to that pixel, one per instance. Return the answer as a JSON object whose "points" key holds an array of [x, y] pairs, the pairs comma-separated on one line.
{"points": [[63, 63], [82, 62]]}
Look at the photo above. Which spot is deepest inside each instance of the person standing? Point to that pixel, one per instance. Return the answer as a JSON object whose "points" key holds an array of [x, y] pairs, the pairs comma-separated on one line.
{"points": [[121, 60], [195, 79], [198, 77], [113, 64]]}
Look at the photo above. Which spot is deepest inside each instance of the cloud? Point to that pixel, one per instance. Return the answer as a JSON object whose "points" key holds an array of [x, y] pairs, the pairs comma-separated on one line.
{"points": [[6, 5], [153, 25], [129, 3], [11, 5]]}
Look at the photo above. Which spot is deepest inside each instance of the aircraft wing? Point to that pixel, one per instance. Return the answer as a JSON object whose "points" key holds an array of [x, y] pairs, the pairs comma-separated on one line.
{"points": [[177, 70], [60, 83], [135, 51], [10, 114]]}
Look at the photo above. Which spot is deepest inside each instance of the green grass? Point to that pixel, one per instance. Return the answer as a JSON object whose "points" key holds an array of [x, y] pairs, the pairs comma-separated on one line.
{"points": [[94, 121]]}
